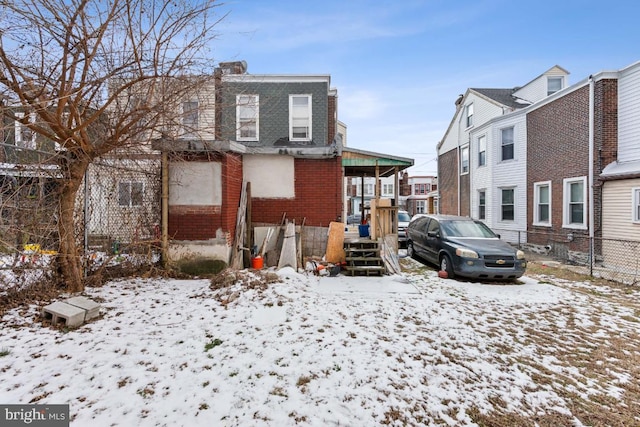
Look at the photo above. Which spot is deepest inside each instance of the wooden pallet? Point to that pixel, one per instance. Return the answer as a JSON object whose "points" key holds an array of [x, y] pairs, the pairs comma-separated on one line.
{"points": [[362, 257]]}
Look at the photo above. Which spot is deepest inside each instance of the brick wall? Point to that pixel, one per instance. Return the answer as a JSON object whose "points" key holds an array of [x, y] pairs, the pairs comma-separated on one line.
{"points": [[318, 199], [557, 148], [448, 182], [605, 138], [465, 194]]}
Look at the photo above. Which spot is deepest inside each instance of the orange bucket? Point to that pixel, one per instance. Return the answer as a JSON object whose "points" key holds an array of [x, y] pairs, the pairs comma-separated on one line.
{"points": [[257, 262]]}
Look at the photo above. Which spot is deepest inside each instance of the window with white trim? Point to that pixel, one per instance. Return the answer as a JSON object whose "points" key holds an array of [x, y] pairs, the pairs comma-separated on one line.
{"points": [[482, 150], [469, 113], [300, 118], [24, 137], [421, 206], [554, 84], [574, 198], [368, 189], [247, 116], [482, 204], [542, 203], [189, 119], [636, 204], [507, 205], [130, 193], [506, 138], [464, 160], [387, 189]]}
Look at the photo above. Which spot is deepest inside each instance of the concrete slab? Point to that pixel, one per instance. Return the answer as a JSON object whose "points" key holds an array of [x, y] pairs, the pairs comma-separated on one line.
{"points": [[63, 313], [91, 308]]}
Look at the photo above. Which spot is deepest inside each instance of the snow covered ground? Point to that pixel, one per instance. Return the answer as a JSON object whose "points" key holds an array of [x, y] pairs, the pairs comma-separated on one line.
{"points": [[409, 349]]}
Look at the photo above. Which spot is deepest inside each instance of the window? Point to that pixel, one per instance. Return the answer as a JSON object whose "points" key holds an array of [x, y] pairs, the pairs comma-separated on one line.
{"points": [[421, 188], [554, 84], [387, 189], [189, 119], [247, 112], [574, 197], [464, 160], [542, 203], [469, 110], [300, 117], [24, 137], [482, 204], [507, 205], [507, 143], [482, 151], [130, 194], [368, 189], [420, 206], [636, 204]]}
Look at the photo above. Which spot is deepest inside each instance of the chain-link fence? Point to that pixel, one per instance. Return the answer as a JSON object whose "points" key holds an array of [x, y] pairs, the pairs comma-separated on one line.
{"points": [[611, 259], [117, 216]]}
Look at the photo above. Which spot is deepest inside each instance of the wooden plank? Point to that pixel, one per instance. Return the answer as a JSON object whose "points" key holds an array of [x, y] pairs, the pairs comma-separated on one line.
{"points": [[389, 256], [335, 243], [237, 254]]}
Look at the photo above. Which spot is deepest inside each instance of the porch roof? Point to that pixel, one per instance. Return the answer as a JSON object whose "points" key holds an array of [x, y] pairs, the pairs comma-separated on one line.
{"points": [[364, 163]]}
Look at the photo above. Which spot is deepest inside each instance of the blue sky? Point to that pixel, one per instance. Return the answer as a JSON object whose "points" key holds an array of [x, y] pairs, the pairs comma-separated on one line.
{"points": [[398, 66]]}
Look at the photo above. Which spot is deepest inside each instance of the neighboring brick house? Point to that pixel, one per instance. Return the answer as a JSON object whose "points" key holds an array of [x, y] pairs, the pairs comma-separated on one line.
{"points": [[276, 132]]}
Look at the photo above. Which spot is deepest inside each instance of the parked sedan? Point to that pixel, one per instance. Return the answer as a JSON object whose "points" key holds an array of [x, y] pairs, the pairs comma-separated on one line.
{"points": [[464, 247]]}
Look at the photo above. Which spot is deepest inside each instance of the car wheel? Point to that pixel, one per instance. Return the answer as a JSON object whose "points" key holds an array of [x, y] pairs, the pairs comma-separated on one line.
{"points": [[446, 265], [410, 252]]}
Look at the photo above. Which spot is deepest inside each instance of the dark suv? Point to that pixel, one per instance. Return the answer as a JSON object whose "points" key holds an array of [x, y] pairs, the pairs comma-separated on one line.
{"points": [[464, 247]]}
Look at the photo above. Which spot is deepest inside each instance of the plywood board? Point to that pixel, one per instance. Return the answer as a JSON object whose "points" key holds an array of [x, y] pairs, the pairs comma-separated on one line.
{"points": [[335, 243], [288, 254]]}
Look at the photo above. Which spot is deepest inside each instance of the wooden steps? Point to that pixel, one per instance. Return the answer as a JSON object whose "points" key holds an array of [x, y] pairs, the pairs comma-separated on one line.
{"points": [[363, 258]]}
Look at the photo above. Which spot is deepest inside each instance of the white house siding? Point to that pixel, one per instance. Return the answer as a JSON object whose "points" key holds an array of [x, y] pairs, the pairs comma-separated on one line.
{"points": [[481, 177], [617, 210], [483, 111], [536, 89], [629, 114], [509, 174], [617, 224]]}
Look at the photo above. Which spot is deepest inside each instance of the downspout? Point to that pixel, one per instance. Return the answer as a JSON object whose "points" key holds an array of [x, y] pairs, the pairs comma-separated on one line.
{"points": [[590, 178]]}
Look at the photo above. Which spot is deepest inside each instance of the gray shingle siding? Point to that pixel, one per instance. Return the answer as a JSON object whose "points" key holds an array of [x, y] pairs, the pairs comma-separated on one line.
{"points": [[274, 110]]}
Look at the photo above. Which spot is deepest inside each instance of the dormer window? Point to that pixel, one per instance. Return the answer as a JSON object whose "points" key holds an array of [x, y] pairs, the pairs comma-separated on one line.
{"points": [[554, 84]]}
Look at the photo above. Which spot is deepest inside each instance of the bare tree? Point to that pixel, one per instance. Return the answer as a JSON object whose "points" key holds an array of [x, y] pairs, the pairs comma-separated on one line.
{"points": [[100, 76]]}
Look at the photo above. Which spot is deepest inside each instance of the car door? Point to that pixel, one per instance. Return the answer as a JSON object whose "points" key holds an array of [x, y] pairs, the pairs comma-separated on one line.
{"points": [[418, 233], [432, 241]]}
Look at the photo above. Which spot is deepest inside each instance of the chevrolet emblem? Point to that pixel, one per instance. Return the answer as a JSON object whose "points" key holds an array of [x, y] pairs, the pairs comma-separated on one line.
{"points": [[500, 261]]}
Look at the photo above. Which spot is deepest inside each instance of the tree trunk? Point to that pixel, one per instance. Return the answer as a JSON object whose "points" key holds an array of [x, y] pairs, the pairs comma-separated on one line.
{"points": [[69, 257]]}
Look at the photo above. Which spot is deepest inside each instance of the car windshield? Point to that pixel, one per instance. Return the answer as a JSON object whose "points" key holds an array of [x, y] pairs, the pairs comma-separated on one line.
{"points": [[404, 217], [462, 228]]}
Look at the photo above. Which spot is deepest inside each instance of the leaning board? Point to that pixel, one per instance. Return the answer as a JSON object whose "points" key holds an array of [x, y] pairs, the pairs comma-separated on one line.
{"points": [[335, 243]]}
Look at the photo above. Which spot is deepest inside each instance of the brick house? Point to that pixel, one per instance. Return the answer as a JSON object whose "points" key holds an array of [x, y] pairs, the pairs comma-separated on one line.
{"points": [[592, 128], [276, 132]]}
